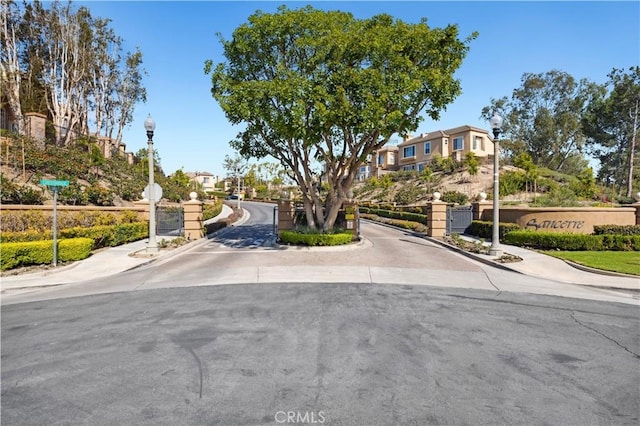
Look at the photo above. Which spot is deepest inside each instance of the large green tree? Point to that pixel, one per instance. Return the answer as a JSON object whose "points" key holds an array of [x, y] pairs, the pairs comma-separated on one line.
{"points": [[320, 90], [543, 118], [611, 126]]}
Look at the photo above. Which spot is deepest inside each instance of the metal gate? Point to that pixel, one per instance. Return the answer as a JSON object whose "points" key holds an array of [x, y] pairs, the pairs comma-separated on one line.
{"points": [[169, 221], [458, 219]]}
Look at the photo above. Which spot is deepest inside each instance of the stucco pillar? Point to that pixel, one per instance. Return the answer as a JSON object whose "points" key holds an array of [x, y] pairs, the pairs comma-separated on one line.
{"points": [[285, 216], [193, 218], [436, 217], [480, 206]]}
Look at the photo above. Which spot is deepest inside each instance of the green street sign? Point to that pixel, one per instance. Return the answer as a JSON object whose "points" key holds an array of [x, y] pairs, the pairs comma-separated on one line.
{"points": [[46, 182]]}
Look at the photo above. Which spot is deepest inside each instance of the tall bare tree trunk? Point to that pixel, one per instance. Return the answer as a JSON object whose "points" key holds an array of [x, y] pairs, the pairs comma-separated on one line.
{"points": [[633, 150], [10, 74]]}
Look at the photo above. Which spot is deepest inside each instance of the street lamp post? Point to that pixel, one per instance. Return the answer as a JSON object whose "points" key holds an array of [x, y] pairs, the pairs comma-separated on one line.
{"points": [[150, 126], [238, 178], [496, 126]]}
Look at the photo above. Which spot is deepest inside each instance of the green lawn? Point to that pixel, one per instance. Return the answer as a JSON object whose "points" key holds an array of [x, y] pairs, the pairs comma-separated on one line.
{"points": [[626, 262]]}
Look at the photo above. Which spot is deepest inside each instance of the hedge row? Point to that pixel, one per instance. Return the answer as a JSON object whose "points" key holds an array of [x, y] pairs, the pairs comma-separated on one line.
{"points": [[616, 229], [210, 211], [103, 236], [414, 226], [298, 238], [413, 217], [484, 229], [13, 255], [42, 221], [573, 242]]}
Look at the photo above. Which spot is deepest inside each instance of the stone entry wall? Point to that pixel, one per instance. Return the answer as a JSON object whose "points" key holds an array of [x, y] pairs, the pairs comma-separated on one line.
{"points": [[579, 220]]}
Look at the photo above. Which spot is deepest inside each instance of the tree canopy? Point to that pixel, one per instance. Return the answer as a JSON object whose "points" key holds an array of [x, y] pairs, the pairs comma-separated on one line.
{"points": [[543, 118], [63, 62], [611, 126], [319, 91]]}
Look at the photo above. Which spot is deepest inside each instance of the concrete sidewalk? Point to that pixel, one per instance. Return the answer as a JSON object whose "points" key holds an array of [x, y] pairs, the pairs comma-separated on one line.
{"points": [[542, 266]]}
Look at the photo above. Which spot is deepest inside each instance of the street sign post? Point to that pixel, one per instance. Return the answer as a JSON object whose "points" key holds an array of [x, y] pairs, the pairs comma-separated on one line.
{"points": [[55, 186]]}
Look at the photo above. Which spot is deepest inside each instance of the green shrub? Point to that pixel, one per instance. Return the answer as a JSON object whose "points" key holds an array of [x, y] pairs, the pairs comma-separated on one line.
{"points": [[573, 242], [74, 249], [210, 211], [414, 226], [109, 235], [484, 229], [400, 215], [25, 236], [13, 255], [99, 196], [562, 196], [455, 197], [512, 182], [408, 194], [625, 200], [40, 220], [315, 239], [616, 229]]}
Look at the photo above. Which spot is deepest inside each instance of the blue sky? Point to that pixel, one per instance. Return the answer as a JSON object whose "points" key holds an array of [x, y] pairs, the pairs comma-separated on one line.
{"points": [[585, 39]]}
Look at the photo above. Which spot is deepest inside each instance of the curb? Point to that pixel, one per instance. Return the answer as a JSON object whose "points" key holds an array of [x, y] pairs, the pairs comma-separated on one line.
{"points": [[598, 271], [473, 256]]}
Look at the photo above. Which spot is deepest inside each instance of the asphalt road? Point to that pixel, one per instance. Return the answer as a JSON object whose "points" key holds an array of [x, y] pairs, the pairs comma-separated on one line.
{"points": [[356, 354], [165, 344]]}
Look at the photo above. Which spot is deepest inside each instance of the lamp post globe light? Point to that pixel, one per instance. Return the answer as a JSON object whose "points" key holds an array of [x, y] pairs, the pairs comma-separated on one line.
{"points": [[150, 126], [496, 126]]}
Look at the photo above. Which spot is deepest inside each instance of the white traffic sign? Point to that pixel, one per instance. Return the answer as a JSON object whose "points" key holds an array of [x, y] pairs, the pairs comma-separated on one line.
{"points": [[157, 192]]}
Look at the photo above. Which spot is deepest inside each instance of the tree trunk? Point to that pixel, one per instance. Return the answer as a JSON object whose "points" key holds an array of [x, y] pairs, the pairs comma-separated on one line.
{"points": [[10, 73], [633, 151]]}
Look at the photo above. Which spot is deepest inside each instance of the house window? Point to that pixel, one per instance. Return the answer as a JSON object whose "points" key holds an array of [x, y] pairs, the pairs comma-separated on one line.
{"points": [[409, 151], [409, 167], [478, 143], [458, 144], [380, 159], [427, 148], [205, 180], [421, 167]]}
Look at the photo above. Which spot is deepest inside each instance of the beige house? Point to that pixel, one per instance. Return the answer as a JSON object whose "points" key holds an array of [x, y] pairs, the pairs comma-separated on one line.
{"points": [[384, 161], [414, 153], [205, 180]]}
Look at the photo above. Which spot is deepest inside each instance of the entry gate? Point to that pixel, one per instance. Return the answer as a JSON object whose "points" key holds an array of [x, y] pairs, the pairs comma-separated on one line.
{"points": [[458, 219], [169, 221]]}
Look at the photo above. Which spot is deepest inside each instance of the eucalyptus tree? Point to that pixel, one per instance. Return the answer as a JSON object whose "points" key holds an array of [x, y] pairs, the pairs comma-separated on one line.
{"points": [[320, 91], [103, 73], [10, 72], [66, 46], [129, 92], [611, 125], [72, 68], [543, 118]]}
